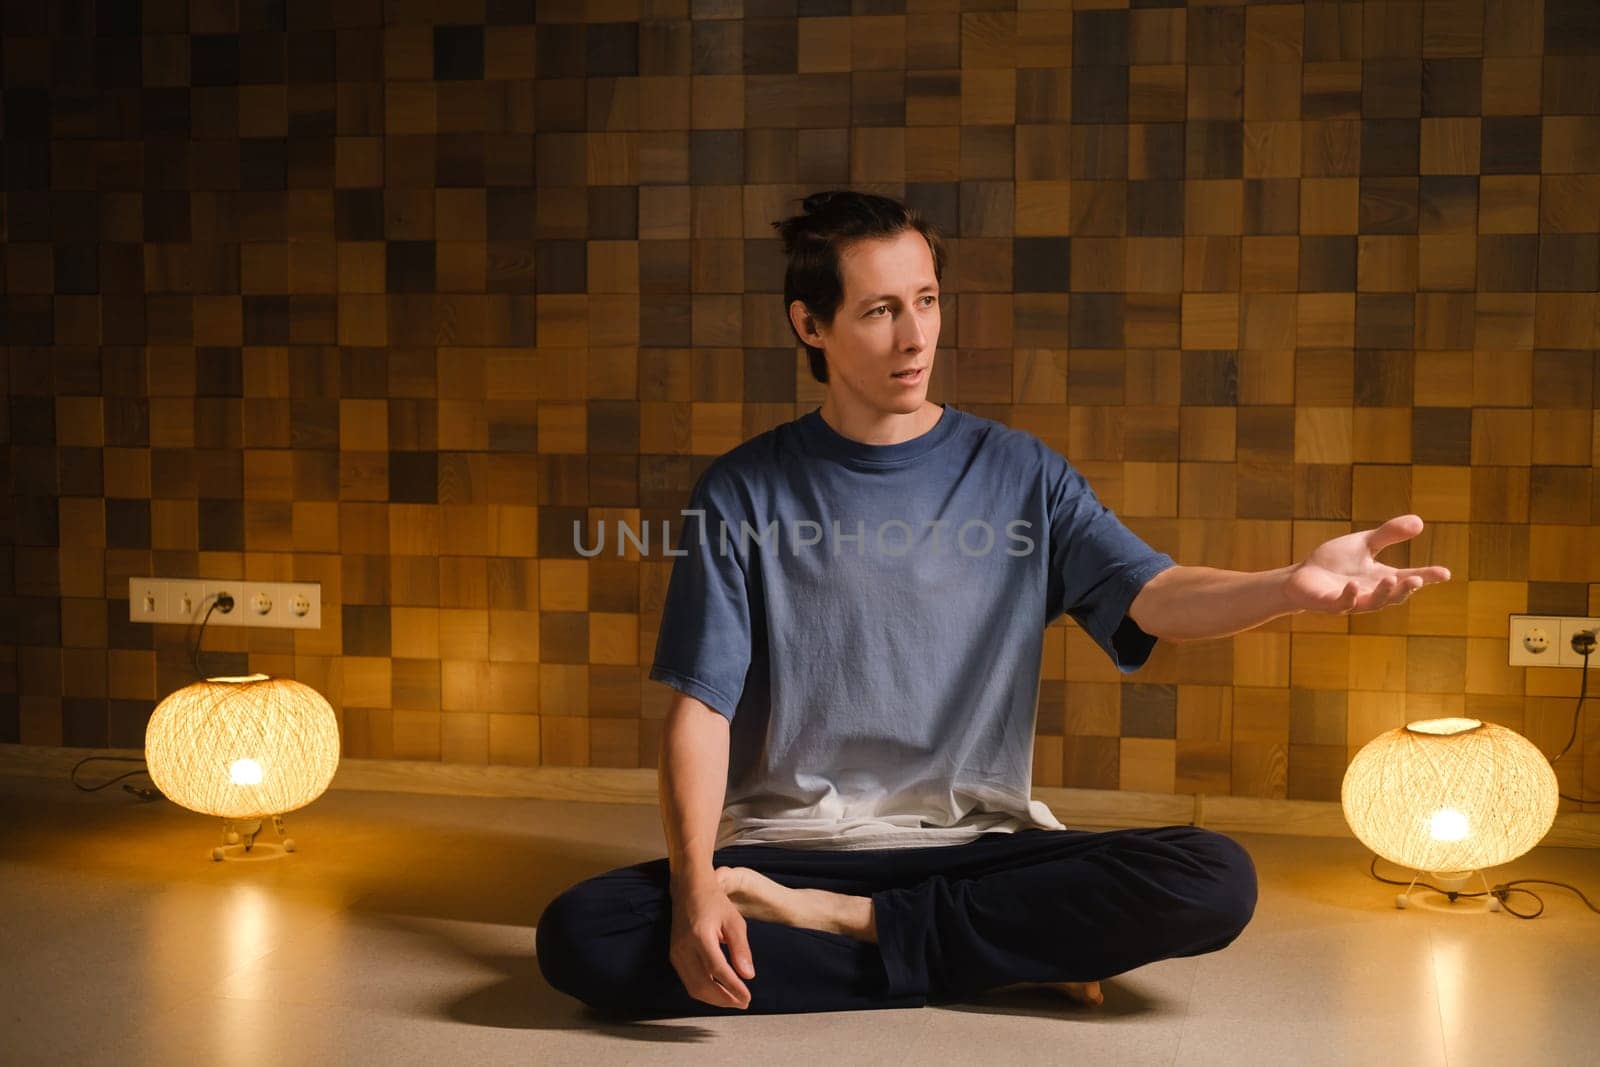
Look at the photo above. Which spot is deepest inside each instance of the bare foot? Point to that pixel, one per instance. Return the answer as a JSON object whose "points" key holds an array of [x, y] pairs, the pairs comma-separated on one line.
{"points": [[1082, 992], [759, 897]]}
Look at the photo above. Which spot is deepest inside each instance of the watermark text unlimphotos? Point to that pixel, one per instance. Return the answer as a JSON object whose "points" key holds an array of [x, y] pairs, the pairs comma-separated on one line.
{"points": [[892, 537]]}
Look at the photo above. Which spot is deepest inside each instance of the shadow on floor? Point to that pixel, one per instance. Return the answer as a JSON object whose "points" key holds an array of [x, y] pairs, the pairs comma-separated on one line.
{"points": [[1122, 1002], [524, 1001], [527, 1002]]}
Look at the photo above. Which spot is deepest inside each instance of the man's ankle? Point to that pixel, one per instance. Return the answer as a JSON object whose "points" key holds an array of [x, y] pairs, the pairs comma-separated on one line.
{"points": [[860, 919]]}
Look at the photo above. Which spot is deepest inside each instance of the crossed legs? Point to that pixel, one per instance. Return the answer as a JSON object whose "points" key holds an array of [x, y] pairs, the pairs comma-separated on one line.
{"points": [[835, 930]]}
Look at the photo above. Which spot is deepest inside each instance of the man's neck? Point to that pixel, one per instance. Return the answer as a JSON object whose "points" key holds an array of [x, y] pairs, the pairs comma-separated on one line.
{"points": [[872, 426]]}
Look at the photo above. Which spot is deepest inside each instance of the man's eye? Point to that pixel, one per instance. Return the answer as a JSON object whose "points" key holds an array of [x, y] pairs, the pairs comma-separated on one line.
{"points": [[931, 297], [880, 307]]}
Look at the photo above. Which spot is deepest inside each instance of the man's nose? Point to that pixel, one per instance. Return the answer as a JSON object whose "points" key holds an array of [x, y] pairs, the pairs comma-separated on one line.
{"points": [[912, 336]]}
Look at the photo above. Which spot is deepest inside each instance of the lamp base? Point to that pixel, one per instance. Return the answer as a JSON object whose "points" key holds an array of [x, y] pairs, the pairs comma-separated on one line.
{"points": [[260, 852], [1450, 884], [239, 837]]}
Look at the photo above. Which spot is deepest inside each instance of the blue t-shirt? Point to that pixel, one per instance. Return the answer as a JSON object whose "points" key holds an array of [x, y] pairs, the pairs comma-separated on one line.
{"points": [[870, 619]]}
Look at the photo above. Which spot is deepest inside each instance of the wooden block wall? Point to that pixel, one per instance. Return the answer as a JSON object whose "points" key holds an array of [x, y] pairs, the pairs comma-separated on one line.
{"points": [[386, 294]]}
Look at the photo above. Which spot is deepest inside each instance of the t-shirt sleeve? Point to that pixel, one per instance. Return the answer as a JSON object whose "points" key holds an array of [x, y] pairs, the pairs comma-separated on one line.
{"points": [[704, 645], [1097, 567]]}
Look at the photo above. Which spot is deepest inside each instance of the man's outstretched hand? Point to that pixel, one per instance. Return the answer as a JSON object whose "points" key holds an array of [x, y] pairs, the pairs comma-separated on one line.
{"points": [[1343, 575]]}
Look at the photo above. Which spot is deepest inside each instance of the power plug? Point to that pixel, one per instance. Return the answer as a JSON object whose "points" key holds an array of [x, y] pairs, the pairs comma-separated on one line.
{"points": [[1583, 642]]}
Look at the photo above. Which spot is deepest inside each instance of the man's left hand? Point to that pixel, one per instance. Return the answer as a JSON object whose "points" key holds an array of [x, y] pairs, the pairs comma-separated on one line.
{"points": [[1343, 575]]}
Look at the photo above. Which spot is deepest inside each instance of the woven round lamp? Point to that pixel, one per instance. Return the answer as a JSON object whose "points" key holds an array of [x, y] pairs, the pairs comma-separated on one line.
{"points": [[245, 749], [1449, 797]]}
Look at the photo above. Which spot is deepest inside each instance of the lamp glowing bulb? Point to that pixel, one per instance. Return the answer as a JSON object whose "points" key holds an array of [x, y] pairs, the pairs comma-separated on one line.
{"points": [[1449, 797], [209, 745], [244, 772], [1448, 824]]}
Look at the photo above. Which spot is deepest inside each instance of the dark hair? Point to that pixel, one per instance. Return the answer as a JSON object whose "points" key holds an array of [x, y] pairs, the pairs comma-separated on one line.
{"points": [[813, 240]]}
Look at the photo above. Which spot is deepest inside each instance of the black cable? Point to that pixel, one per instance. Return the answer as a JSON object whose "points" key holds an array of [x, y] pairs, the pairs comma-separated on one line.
{"points": [[146, 794], [1499, 892], [222, 600], [1577, 714]]}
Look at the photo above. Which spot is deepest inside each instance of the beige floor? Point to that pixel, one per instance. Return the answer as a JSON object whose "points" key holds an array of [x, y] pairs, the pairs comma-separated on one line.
{"points": [[402, 932]]}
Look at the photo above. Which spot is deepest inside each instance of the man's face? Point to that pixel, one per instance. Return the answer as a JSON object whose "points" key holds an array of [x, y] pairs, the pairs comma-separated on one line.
{"points": [[888, 321]]}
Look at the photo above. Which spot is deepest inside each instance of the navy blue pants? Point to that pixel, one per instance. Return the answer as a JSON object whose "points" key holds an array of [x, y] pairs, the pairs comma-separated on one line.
{"points": [[952, 920]]}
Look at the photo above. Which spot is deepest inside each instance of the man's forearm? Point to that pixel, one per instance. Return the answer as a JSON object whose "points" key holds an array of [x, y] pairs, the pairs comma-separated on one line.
{"points": [[1189, 603], [693, 783]]}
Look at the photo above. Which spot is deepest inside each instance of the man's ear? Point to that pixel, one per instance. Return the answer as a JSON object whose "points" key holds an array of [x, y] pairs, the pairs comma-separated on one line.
{"points": [[804, 324]]}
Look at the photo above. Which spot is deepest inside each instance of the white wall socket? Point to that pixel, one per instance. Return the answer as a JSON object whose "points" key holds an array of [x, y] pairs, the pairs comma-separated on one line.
{"points": [[1570, 627], [1546, 640], [278, 605]]}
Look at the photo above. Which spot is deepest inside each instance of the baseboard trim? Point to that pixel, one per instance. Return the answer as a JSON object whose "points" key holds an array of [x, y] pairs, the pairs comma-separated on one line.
{"points": [[1086, 808]]}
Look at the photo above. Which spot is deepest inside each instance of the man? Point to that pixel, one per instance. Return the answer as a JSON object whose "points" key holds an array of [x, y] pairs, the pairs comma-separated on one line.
{"points": [[854, 630]]}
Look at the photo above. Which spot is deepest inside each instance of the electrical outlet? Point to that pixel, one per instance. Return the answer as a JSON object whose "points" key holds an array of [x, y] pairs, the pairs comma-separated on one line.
{"points": [[1546, 640], [1533, 640], [283, 605], [210, 590], [185, 601], [1569, 628]]}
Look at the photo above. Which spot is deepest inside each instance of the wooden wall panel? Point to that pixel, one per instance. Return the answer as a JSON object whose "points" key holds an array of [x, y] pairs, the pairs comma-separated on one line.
{"points": [[389, 297]]}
